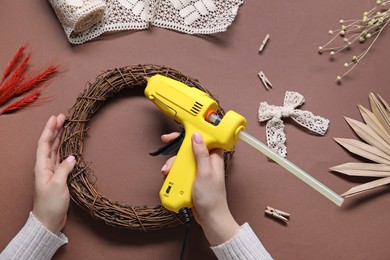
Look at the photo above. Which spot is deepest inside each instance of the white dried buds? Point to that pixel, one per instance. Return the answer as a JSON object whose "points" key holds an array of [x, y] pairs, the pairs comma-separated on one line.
{"points": [[361, 30]]}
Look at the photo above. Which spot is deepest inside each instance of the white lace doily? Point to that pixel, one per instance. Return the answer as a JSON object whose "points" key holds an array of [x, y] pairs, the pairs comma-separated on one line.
{"points": [[84, 20], [276, 137]]}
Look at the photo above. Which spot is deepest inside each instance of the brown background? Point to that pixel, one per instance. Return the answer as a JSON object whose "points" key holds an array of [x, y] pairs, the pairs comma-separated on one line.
{"points": [[124, 131]]}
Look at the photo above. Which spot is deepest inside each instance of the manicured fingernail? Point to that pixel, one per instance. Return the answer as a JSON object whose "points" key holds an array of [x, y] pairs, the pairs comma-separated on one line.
{"points": [[198, 138], [70, 159], [164, 168]]}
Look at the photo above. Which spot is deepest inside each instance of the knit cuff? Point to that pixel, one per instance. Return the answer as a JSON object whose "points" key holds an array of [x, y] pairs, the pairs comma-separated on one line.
{"points": [[34, 241], [245, 245]]}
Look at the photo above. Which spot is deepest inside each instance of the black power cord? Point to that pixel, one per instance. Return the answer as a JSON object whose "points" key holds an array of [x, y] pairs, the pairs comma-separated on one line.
{"points": [[185, 215]]}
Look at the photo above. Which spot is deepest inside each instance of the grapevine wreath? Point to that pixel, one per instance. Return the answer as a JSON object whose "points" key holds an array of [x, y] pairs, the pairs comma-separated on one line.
{"points": [[81, 181]]}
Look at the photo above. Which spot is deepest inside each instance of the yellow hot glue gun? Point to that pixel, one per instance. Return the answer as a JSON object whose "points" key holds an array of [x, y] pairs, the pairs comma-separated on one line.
{"points": [[196, 111]]}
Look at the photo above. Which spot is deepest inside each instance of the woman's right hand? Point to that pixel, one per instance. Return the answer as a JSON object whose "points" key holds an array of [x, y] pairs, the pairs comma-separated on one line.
{"points": [[211, 209]]}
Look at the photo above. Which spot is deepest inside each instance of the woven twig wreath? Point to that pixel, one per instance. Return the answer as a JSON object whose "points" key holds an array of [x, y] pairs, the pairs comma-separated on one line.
{"points": [[81, 181]]}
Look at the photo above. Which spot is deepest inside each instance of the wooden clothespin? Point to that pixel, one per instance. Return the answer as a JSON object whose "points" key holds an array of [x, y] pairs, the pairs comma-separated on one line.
{"points": [[267, 84], [277, 214], [264, 43]]}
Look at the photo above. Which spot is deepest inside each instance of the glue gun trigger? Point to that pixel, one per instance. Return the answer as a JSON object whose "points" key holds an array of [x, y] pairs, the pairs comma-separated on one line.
{"points": [[172, 147]]}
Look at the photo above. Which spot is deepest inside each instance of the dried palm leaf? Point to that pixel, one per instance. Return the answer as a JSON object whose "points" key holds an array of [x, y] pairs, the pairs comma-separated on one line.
{"points": [[385, 104], [365, 150], [380, 112], [366, 133], [374, 123], [363, 169], [366, 186], [375, 133]]}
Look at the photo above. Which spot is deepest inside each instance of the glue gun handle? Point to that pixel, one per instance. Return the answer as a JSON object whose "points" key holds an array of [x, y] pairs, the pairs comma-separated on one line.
{"points": [[176, 191]]}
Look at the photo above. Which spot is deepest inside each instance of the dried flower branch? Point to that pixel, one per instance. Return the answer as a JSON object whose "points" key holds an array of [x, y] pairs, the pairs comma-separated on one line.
{"points": [[375, 133], [13, 83], [12, 63], [370, 26], [8, 89], [36, 81], [25, 101]]}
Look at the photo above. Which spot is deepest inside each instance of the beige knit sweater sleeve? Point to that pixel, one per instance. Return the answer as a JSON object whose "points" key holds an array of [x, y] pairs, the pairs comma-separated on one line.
{"points": [[245, 245], [34, 241]]}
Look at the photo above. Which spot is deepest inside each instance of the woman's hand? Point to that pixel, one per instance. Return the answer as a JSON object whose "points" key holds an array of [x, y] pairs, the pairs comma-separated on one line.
{"points": [[51, 196], [211, 210]]}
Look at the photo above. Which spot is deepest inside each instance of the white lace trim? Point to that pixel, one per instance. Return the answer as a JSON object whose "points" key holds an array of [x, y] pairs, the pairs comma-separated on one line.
{"points": [[276, 137], [84, 20], [78, 15]]}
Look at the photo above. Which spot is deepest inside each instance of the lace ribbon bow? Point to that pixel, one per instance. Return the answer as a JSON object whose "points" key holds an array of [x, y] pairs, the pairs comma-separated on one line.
{"points": [[276, 137]]}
